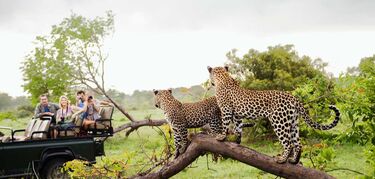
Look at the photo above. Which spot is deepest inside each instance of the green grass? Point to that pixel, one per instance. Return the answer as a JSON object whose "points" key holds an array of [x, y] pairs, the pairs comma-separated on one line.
{"points": [[14, 124], [145, 142], [347, 156]]}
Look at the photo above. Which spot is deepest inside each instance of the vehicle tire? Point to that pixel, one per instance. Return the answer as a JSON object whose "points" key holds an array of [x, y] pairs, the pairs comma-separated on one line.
{"points": [[52, 169]]}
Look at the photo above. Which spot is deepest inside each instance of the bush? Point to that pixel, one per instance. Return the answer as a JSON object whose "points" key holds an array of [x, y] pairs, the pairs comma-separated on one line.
{"points": [[317, 94], [320, 156], [23, 114], [358, 102], [7, 115], [28, 108]]}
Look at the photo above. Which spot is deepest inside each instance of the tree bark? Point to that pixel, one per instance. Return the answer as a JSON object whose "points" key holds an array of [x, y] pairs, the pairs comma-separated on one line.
{"points": [[201, 144]]}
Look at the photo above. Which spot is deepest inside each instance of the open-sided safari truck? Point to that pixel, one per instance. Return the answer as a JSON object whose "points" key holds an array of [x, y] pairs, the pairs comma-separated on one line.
{"points": [[34, 151]]}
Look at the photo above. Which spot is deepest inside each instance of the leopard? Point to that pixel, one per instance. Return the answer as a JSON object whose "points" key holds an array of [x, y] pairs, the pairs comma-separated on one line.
{"points": [[182, 116], [281, 108]]}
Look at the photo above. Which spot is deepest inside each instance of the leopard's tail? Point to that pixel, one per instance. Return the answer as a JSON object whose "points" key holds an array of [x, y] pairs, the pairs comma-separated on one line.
{"points": [[316, 125]]}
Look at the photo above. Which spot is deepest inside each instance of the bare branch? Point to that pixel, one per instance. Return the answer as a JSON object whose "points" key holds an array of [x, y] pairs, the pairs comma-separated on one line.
{"points": [[345, 169], [134, 125]]}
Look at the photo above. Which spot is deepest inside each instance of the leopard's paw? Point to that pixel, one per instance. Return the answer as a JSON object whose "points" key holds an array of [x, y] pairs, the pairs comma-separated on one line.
{"points": [[280, 159], [220, 137]]}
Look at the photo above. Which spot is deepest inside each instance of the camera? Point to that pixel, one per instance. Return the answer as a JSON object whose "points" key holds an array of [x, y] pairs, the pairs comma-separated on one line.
{"points": [[62, 118]]}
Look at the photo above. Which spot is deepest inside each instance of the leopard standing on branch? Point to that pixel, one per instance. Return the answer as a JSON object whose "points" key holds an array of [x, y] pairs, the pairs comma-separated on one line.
{"points": [[182, 116], [281, 108]]}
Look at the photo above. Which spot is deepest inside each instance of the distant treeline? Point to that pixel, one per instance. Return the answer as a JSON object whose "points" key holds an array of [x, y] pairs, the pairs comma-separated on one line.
{"points": [[8, 102], [143, 99], [14, 107]]}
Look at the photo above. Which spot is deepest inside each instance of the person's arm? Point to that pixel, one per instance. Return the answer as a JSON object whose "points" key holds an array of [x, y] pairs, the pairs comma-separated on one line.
{"points": [[75, 109], [58, 116], [96, 105], [105, 102], [53, 110], [84, 109], [37, 112]]}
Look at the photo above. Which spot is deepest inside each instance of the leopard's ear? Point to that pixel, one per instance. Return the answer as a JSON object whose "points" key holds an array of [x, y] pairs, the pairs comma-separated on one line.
{"points": [[155, 91], [209, 69], [170, 90], [226, 68]]}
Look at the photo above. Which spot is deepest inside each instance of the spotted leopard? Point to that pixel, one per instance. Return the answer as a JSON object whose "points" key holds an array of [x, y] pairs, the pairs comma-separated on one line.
{"points": [[182, 116], [281, 108]]}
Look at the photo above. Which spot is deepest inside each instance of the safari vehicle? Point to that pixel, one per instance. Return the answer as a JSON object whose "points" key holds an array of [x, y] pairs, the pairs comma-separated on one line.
{"points": [[36, 153]]}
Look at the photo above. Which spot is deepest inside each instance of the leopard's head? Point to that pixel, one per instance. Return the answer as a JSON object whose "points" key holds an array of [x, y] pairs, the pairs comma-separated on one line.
{"points": [[217, 74], [162, 96]]}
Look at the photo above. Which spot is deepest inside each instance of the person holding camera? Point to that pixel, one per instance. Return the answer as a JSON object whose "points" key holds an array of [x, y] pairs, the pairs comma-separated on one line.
{"points": [[64, 115], [89, 112], [92, 111]]}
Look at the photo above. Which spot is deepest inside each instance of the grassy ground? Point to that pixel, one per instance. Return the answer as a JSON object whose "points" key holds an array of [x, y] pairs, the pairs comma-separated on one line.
{"points": [[146, 142], [348, 156]]}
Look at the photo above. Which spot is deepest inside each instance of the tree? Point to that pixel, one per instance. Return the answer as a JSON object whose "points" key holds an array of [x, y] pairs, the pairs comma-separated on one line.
{"points": [[367, 73], [356, 89], [5, 101], [278, 68], [72, 57], [45, 70]]}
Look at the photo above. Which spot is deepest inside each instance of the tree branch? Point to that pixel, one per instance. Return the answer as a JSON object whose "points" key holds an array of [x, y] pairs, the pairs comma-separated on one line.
{"points": [[345, 169], [201, 144], [134, 125]]}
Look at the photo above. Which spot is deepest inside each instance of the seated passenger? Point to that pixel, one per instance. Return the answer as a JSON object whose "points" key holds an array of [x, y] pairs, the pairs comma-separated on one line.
{"points": [[45, 108], [80, 98], [90, 111], [64, 115]]}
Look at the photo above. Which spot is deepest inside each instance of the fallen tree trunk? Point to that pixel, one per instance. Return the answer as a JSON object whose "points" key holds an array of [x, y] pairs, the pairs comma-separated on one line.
{"points": [[201, 144], [134, 125]]}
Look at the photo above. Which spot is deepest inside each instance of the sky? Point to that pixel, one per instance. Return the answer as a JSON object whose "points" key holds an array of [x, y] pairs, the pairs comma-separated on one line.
{"points": [[167, 44]]}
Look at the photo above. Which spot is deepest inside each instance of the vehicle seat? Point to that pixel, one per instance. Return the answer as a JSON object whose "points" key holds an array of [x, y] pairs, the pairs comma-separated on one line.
{"points": [[43, 127], [4, 139], [104, 123], [74, 131], [26, 134]]}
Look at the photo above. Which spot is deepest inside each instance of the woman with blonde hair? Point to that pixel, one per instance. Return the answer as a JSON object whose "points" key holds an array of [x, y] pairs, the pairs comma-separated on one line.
{"points": [[64, 114]]}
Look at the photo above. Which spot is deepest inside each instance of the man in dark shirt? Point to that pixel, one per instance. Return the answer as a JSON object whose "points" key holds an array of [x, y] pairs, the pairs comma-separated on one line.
{"points": [[45, 108]]}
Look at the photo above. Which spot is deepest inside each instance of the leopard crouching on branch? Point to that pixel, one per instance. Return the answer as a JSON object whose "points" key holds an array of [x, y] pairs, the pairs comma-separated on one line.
{"points": [[281, 108], [182, 116]]}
